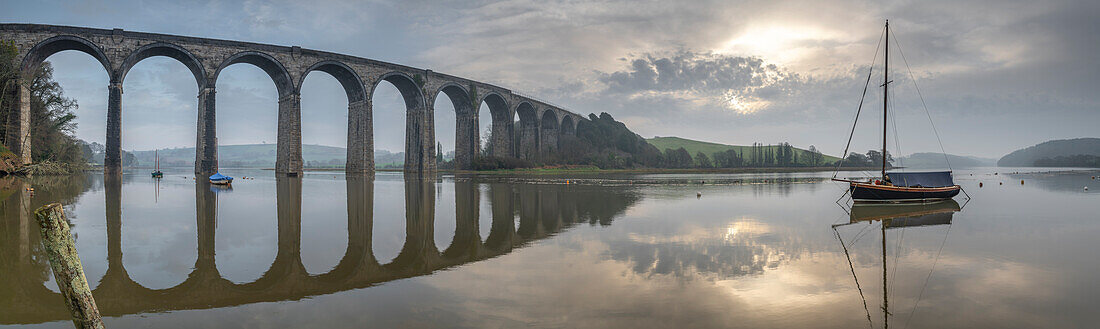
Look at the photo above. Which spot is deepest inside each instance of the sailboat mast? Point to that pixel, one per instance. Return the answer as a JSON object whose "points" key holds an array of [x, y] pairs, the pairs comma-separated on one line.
{"points": [[885, 297], [885, 82]]}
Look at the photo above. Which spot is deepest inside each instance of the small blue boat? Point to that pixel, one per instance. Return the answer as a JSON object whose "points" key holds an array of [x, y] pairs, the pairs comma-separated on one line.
{"points": [[219, 179]]}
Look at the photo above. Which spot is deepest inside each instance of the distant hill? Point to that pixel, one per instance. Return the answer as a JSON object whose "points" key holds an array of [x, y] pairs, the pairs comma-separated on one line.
{"points": [[708, 148], [1064, 148], [263, 156], [936, 160]]}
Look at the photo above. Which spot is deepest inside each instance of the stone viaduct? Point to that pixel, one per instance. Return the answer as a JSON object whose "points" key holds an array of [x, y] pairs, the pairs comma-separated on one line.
{"points": [[538, 129]]}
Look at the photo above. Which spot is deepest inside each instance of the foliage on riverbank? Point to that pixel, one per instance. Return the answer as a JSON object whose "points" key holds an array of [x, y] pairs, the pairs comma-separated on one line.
{"points": [[10, 164], [605, 143], [54, 148], [728, 156], [1073, 153], [497, 163], [49, 168]]}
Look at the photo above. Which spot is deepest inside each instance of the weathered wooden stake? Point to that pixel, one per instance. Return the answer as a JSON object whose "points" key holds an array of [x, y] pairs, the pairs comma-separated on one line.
{"points": [[67, 270]]}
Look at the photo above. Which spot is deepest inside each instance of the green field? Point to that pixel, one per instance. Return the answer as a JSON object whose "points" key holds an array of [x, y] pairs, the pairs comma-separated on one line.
{"points": [[693, 147]]}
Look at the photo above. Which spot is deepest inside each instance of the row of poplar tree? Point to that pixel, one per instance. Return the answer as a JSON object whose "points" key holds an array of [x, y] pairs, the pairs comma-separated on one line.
{"points": [[757, 155]]}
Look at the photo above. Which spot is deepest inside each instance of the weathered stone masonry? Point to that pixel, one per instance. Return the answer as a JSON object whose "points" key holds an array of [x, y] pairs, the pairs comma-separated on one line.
{"points": [[119, 50]]}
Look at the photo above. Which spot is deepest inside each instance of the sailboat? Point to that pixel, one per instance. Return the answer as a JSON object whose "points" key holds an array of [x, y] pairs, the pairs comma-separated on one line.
{"points": [[895, 187], [156, 164]]}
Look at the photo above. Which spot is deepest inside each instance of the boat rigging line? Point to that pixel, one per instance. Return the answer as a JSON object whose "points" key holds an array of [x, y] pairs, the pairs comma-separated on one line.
{"points": [[897, 254], [862, 233], [859, 109], [929, 277], [894, 122], [925, 105], [853, 269]]}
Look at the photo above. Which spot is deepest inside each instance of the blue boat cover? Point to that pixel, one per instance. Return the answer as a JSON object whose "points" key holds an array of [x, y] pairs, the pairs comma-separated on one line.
{"points": [[921, 179], [219, 176]]}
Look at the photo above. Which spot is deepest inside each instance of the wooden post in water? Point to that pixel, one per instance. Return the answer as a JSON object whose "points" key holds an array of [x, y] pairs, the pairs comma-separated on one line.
{"points": [[67, 270]]}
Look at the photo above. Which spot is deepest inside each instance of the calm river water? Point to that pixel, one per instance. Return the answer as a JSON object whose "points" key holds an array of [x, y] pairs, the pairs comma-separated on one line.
{"points": [[610, 251]]}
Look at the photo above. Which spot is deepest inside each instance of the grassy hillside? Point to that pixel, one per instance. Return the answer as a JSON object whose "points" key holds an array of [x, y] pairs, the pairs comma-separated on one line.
{"points": [[1051, 149], [694, 146]]}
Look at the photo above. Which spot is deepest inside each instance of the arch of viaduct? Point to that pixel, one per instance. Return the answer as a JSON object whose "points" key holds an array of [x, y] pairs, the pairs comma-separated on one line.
{"points": [[538, 130], [543, 211]]}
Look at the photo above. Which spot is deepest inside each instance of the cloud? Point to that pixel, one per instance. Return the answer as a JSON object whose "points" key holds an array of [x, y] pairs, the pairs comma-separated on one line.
{"points": [[699, 69], [328, 20], [719, 97], [538, 45], [742, 84], [1018, 73]]}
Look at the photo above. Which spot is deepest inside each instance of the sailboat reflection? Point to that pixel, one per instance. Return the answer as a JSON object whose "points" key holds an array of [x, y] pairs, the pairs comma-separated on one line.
{"points": [[906, 215], [892, 217]]}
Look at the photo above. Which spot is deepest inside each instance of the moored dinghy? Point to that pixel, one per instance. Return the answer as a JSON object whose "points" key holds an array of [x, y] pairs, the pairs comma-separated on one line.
{"points": [[219, 179]]}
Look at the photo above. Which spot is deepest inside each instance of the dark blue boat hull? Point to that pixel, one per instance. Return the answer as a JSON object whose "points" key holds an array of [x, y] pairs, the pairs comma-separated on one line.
{"points": [[862, 193]]}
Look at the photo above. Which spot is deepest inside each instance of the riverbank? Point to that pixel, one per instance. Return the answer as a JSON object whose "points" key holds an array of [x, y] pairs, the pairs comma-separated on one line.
{"points": [[12, 165], [40, 169], [594, 170]]}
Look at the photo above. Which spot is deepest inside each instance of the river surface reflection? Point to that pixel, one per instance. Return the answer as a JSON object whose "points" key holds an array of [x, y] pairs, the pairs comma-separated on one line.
{"points": [[601, 251]]}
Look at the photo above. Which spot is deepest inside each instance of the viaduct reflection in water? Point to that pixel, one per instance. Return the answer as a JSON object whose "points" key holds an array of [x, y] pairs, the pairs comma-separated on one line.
{"points": [[542, 210]]}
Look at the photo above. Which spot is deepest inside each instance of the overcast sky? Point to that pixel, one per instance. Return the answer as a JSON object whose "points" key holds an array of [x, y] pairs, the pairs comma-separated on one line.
{"points": [[996, 75]]}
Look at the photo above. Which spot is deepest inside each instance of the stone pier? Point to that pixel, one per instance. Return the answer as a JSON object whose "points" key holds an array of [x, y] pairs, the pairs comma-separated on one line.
{"points": [[288, 157], [206, 143], [112, 159], [360, 144]]}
